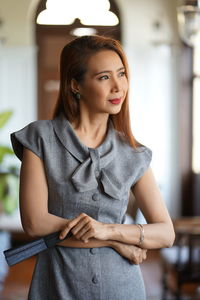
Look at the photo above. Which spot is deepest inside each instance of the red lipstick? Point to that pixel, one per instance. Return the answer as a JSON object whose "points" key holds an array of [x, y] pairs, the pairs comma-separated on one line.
{"points": [[115, 101]]}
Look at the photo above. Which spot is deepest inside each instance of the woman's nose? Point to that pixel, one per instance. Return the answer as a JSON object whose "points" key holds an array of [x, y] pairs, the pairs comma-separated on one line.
{"points": [[116, 85]]}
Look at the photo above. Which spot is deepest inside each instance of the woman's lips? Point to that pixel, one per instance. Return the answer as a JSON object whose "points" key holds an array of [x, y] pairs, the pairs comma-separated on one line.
{"points": [[115, 101]]}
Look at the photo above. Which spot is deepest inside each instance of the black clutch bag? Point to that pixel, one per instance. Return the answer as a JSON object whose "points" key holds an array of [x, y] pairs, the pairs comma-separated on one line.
{"points": [[17, 254]]}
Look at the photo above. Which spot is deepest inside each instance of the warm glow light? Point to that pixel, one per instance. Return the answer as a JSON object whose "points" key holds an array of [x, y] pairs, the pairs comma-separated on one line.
{"points": [[51, 18], [103, 19], [83, 31], [196, 126], [89, 12]]}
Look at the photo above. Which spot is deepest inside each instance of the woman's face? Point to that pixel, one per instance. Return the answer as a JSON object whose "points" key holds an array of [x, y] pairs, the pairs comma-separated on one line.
{"points": [[105, 84]]}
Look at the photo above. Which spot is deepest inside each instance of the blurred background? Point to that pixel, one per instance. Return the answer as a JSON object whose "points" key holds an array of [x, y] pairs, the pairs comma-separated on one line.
{"points": [[161, 39]]}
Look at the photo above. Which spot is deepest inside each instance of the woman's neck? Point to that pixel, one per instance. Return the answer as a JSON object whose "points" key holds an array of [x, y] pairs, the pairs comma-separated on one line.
{"points": [[91, 130]]}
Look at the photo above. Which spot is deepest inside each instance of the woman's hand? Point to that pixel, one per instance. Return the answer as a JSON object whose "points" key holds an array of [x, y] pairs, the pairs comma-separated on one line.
{"points": [[84, 227], [134, 254]]}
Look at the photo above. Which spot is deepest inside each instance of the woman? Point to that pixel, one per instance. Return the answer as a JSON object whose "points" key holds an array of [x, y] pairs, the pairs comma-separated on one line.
{"points": [[77, 171]]}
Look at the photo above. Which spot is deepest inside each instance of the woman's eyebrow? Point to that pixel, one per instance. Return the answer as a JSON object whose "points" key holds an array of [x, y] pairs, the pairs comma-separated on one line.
{"points": [[108, 71]]}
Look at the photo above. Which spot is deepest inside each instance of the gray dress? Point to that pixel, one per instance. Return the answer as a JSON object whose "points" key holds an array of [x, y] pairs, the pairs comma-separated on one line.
{"points": [[96, 182]]}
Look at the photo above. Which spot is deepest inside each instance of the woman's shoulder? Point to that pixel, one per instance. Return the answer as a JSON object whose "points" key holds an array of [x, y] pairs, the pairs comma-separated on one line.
{"points": [[134, 160], [142, 150], [39, 128], [139, 150], [33, 136], [39, 125]]}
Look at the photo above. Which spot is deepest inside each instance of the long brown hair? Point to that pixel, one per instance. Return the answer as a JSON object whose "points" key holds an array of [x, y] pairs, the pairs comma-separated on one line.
{"points": [[73, 65]]}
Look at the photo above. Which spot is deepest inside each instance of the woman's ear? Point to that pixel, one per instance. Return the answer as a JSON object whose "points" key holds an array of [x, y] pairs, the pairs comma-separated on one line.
{"points": [[74, 86]]}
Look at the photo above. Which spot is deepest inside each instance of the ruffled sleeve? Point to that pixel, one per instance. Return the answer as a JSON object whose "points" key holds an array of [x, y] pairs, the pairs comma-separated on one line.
{"points": [[29, 137]]}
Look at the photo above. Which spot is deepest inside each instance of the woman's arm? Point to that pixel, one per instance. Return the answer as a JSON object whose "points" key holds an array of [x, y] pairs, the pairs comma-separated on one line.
{"points": [[36, 220], [158, 232], [133, 254]]}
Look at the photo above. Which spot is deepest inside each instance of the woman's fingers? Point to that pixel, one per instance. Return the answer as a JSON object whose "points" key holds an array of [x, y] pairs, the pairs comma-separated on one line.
{"points": [[137, 259], [85, 229], [88, 228], [89, 233], [80, 227], [144, 254], [82, 231], [139, 256], [70, 224]]}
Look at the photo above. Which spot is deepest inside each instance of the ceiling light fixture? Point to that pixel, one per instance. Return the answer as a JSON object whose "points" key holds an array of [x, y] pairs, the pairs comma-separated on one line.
{"points": [[83, 31], [89, 12]]}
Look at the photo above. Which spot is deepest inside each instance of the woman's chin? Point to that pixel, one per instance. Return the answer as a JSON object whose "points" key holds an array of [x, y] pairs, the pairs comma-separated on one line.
{"points": [[115, 110]]}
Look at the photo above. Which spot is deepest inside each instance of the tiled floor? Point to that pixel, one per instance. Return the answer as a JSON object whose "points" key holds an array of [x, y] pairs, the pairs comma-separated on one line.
{"points": [[18, 280]]}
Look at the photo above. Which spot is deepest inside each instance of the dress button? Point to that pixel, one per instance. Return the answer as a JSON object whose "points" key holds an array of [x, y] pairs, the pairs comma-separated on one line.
{"points": [[95, 279], [93, 251], [95, 197]]}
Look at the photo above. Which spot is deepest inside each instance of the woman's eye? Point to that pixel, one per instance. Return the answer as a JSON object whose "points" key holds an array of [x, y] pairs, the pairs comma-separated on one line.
{"points": [[103, 77], [121, 74]]}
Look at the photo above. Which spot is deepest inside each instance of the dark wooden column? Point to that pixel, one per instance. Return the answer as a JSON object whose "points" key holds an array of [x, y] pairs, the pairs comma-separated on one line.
{"points": [[185, 128]]}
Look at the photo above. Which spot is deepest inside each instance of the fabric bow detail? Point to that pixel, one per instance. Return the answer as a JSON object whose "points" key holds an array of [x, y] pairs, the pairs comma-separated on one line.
{"points": [[84, 179]]}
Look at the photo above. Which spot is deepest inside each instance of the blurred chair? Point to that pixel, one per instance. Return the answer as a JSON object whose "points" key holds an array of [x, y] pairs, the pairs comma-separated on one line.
{"points": [[181, 263]]}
